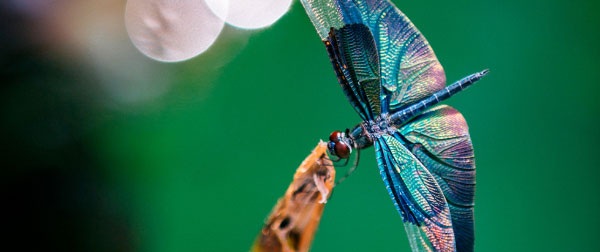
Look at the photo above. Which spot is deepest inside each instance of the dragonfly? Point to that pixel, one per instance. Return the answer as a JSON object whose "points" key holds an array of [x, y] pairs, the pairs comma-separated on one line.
{"points": [[393, 79]]}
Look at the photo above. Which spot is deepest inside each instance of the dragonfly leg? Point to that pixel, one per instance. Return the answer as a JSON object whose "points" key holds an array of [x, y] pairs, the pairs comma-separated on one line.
{"points": [[351, 170], [345, 162]]}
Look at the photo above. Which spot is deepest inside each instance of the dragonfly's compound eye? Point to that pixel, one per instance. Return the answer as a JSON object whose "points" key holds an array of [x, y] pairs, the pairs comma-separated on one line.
{"points": [[337, 145], [335, 136], [342, 150]]}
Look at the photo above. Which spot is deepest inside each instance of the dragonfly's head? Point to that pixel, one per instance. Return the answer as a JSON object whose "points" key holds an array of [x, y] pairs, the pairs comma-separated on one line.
{"points": [[339, 144]]}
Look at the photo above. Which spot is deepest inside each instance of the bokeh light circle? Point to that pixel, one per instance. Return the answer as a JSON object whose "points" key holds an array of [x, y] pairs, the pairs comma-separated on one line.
{"points": [[250, 14], [171, 31]]}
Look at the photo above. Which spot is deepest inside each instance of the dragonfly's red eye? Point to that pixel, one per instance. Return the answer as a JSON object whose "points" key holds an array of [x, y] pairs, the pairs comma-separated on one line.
{"points": [[335, 136], [342, 150]]}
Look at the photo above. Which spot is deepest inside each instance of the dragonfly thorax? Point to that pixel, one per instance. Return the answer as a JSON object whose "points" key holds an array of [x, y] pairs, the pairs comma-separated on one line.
{"points": [[381, 125], [365, 133], [373, 129]]}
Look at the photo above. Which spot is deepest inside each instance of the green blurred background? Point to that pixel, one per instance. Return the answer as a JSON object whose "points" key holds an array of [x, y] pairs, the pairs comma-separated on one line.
{"points": [[104, 149]]}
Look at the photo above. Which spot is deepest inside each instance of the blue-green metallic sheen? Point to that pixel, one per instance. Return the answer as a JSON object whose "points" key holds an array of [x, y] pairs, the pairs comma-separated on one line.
{"points": [[392, 78]]}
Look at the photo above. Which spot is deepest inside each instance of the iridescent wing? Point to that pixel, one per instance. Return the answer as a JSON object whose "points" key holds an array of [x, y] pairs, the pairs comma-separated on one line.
{"points": [[428, 168], [439, 139], [416, 195], [409, 68], [354, 57], [420, 170]]}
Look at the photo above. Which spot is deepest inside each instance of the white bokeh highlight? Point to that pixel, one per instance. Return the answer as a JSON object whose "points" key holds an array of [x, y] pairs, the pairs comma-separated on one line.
{"points": [[171, 31], [250, 14]]}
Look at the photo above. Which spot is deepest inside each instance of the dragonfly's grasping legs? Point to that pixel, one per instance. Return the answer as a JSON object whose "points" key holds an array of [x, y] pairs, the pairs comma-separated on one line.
{"points": [[351, 169], [345, 163]]}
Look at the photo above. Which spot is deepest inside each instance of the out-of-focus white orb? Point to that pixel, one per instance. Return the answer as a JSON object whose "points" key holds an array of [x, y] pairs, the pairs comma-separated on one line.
{"points": [[173, 30], [250, 14]]}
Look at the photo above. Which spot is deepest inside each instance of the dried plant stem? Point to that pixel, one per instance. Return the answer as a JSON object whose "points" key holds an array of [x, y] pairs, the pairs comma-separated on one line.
{"points": [[292, 224]]}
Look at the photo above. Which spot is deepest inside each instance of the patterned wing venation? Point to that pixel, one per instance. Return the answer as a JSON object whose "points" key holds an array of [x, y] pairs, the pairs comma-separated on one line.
{"points": [[439, 138], [463, 226], [416, 196], [363, 63], [345, 78], [423, 188], [456, 184], [324, 14], [417, 238], [356, 58], [372, 89], [329, 20], [360, 51], [410, 71]]}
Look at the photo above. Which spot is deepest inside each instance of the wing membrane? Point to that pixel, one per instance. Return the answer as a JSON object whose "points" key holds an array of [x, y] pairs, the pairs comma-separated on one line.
{"points": [[410, 70], [416, 195], [440, 139], [354, 57]]}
